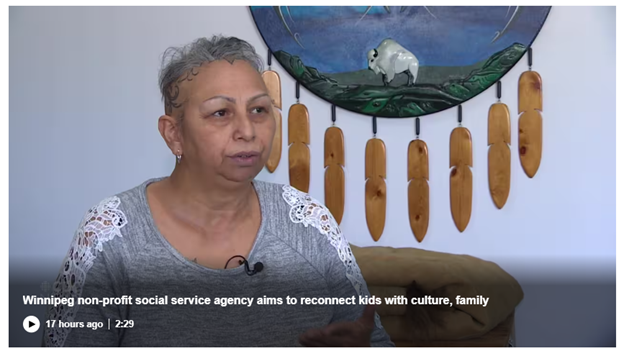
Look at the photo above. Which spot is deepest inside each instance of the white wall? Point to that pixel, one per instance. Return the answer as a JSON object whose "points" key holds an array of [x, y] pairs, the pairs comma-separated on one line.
{"points": [[84, 104]]}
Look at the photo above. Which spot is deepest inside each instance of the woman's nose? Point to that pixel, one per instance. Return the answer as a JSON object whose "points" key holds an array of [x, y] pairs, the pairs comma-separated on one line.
{"points": [[244, 127]]}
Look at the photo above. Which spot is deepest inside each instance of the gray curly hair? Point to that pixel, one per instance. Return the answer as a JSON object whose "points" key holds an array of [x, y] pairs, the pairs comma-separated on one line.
{"points": [[182, 63]]}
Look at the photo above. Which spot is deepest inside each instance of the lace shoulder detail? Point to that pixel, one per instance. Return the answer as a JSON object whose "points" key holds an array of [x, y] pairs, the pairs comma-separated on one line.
{"points": [[100, 224], [310, 212]]}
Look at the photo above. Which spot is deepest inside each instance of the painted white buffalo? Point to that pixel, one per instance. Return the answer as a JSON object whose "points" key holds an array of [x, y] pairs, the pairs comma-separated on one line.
{"points": [[390, 59]]}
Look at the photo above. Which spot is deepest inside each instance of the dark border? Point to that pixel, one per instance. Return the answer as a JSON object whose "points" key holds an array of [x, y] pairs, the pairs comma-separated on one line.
{"points": [[399, 117]]}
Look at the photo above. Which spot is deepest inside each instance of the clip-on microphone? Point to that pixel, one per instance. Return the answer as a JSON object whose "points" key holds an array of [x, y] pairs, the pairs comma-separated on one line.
{"points": [[257, 268]]}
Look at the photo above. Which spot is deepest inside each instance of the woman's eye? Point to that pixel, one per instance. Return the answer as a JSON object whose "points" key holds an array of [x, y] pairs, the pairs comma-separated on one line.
{"points": [[219, 113], [259, 110]]}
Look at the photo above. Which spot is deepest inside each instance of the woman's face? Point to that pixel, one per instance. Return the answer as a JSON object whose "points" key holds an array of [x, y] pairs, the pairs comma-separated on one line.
{"points": [[228, 123]]}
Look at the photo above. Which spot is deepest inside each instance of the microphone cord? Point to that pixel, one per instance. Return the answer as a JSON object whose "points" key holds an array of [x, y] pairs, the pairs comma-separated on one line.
{"points": [[257, 267], [239, 262]]}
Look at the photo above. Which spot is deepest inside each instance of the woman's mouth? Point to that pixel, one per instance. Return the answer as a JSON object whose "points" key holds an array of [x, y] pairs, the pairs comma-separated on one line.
{"points": [[246, 158]]}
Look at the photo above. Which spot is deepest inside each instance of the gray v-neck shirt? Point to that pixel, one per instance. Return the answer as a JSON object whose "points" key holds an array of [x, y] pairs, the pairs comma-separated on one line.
{"points": [[118, 252]]}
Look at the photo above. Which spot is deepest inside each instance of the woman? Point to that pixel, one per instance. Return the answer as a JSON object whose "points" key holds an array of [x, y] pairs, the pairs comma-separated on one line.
{"points": [[209, 256]]}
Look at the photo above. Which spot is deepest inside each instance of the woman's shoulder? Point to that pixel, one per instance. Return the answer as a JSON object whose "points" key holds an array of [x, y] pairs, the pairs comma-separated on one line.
{"points": [[306, 225], [296, 215], [289, 195], [112, 215], [124, 203], [299, 206]]}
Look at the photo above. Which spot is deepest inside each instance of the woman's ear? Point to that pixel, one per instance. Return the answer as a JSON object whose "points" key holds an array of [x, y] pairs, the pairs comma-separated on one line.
{"points": [[170, 130]]}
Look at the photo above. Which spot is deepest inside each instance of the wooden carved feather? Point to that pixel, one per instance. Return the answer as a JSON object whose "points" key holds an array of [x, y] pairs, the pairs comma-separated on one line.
{"points": [[375, 187], [499, 154], [276, 144], [418, 188], [334, 174], [461, 176], [274, 86], [299, 152], [530, 120]]}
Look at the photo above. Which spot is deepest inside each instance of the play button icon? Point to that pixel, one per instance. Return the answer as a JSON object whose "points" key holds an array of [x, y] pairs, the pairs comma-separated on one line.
{"points": [[31, 324]]}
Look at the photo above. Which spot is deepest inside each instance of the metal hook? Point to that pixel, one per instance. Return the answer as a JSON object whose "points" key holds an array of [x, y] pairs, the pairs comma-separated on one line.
{"points": [[459, 114], [374, 126], [297, 91], [499, 90], [417, 127], [530, 57], [333, 115], [269, 58]]}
